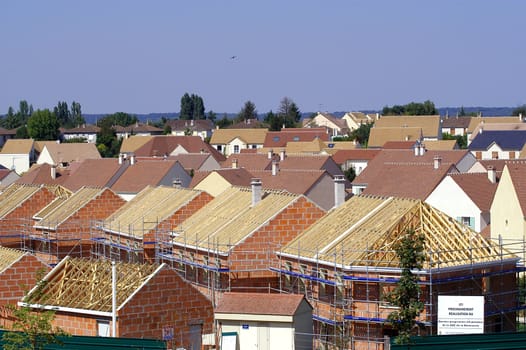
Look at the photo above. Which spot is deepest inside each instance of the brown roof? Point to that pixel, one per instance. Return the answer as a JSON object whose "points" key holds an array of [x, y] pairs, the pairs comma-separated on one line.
{"points": [[84, 129], [475, 121], [17, 146], [196, 125], [428, 123], [249, 161], [395, 172], [136, 128], [236, 177], [281, 138], [437, 145], [132, 143], [39, 145], [498, 164], [143, 173], [7, 132], [517, 169], [399, 144], [478, 188], [39, 174], [191, 160], [248, 124], [456, 122], [379, 136], [293, 181], [342, 156], [259, 304], [69, 152], [92, 172], [158, 146]]}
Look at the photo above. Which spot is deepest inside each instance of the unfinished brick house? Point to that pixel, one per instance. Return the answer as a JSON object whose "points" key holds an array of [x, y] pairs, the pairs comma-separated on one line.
{"points": [[63, 227], [152, 301], [129, 234], [18, 204], [345, 264], [229, 244], [18, 272]]}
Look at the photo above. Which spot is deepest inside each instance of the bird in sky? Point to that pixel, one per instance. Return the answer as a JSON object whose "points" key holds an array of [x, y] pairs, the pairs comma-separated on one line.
{"points": [[233, 57]]}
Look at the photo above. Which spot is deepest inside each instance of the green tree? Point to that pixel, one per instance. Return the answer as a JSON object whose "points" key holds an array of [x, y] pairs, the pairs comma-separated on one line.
{"points": [[63, 115], [32, 329], [198, 110], [211, 115], [361, 135], [520, 110], [289, 112], [119, 118], [76, 114], [22, 133], [224, 122], [274, 121], [107, 142], [187, 107], [43, 125], [406, 295], [412, 108], [350, 174], [247, 112], [462, 140]]}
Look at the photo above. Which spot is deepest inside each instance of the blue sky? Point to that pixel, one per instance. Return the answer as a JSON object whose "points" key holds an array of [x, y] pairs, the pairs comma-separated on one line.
{"points": [[142, 56]]}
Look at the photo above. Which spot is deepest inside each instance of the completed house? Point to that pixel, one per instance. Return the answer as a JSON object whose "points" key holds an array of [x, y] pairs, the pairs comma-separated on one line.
{"points": [[228, 141], [201, 127], [86, 132], [498, 144], [62, 154], [331, 125], [18, 155]]}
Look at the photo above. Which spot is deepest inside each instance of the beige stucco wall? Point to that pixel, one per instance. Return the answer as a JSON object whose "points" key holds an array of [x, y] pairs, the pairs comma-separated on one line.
{"points": [[214, 184], [507, 218]]}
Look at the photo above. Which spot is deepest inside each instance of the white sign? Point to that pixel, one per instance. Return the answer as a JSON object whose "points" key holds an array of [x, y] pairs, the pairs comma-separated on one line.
{"points": [[460, 314]]}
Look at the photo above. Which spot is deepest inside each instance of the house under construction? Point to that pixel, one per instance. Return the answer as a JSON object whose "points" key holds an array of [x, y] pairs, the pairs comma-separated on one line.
{"points": [[346, 265]]}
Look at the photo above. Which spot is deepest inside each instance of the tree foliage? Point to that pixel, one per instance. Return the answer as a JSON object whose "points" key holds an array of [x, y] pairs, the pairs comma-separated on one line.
{"points": [[43, 125], [14, 120], [192, 107], [108, 144], [223, 122], [462, 140], [520, 110], [288, 115], [32, 329], [247, 112], [119, 118], [406, 295], [412, 108], [361, 135]]}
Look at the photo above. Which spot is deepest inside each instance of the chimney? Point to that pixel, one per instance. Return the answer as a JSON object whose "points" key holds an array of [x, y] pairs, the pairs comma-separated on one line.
{"points": [[256, 191], [422, 149], [120, 158], [275, 167], [520, 117], [492, 174], [339, 190], [192, 122], [53, 171], [132, 159], [234, 163], [282, 155], [270, 152], [437, 160], [177, 183], [417, 150]]}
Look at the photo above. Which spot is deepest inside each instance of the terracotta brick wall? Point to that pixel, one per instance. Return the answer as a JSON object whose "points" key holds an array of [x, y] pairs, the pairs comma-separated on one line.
{"points": [[77, 324], [19, 219], [166, 301], [19, 277]]}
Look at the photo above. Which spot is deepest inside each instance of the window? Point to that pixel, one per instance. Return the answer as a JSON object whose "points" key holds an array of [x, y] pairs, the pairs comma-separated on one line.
{"points": [[478, 155], [494, 155], [103, 328], [236, 148], [219, 148], [275, 138], [452, 131], [254, 146], [512, 155], [296, 138], [467, 220]]}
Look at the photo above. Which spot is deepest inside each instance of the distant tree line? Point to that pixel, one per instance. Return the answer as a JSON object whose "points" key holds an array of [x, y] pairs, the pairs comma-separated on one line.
{"points": [[413, 108]]}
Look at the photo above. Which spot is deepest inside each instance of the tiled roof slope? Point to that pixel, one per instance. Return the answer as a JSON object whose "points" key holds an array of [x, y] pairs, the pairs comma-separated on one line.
{"points": [[69, 152], [259, 304], [517, 170], [342, 156], [456, 122], [506, 139], [281, 138], [362, 231], [429, 124], [249, 161], [161, 145], [475, 121], [291, 180], [17, 146], [92, 172], [478, 187], [379, 136], [236, 177]]}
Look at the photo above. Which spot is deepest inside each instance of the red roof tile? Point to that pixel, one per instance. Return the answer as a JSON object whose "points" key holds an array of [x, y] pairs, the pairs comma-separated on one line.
{"points": [[91, 172], [478, 187], [143, 173], [344, 155], [281, 138], [259, 304], [236, 177], [249, 161], [158, 146], [517, 169]]}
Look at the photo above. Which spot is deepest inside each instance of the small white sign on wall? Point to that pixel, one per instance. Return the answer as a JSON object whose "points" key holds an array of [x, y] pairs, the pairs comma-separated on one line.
{"points": [[460, 314]]}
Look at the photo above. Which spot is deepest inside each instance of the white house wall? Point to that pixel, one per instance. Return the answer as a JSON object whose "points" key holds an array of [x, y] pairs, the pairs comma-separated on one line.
{"points": [[449, 198], [45, 157], [16, 162]]}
